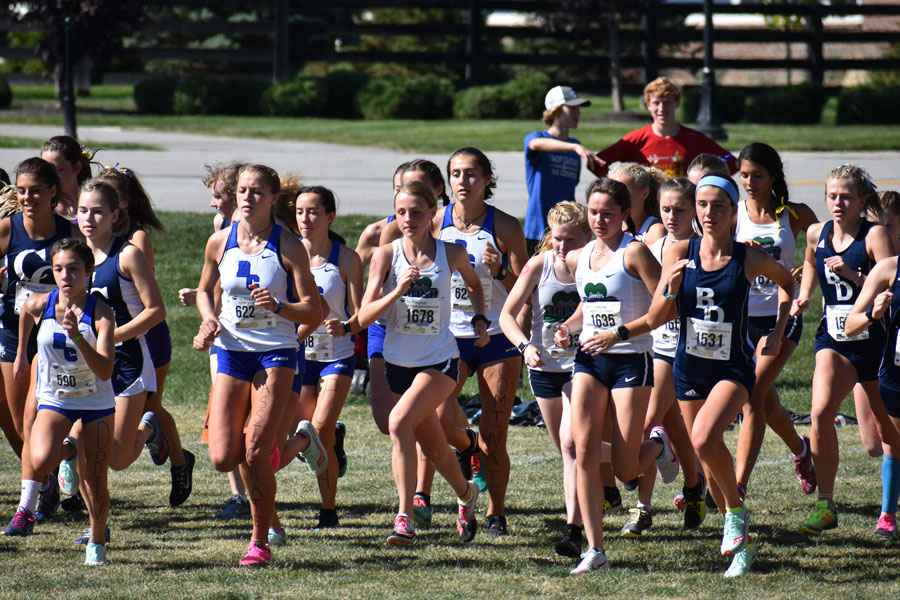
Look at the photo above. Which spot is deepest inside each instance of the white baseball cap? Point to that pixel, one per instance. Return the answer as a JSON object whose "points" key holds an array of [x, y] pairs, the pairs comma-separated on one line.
{"points": [[563, 94]]}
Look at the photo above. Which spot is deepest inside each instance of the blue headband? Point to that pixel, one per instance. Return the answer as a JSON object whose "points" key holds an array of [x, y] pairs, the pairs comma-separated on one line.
{"points": [[721, 183]]}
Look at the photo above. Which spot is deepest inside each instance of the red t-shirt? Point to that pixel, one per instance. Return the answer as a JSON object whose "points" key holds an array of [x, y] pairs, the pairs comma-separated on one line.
{"points": [[670, 154]]}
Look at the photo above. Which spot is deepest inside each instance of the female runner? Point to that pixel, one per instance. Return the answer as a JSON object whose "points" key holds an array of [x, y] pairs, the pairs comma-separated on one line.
{"points": [[73, 164], [141, 221], [329, 348], [643, 187], [613, 372], [74, 366], [495, 244], [705, 283], [676, 201], [25, 239], [767, 220], [880, 299], [261, 269], [548, 286], [410, 283], [839, 255]]}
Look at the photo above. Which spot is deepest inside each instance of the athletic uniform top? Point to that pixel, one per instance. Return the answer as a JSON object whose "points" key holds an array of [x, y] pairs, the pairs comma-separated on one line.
{"points": [[712, 309], [29, 267], [840, 294], [64, 379], [665, 337], [418, 324], [552, 303], [889, 372], [612, 297], [494, 291], [245, 326], [320, 345], [645, 227], [777, 239], [108, 282]]}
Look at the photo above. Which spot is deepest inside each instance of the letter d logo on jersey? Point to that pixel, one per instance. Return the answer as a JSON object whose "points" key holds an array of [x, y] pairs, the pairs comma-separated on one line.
{"points": [[59, 342], [244, 271], [842, 289], [706, 300]]}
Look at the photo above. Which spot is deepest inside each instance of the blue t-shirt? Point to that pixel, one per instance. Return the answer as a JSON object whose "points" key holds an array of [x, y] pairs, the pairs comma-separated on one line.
{"points": [[551, 178]]}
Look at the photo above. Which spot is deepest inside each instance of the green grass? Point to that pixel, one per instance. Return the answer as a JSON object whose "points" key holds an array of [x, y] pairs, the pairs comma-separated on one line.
{"points": [[109, 106], [161, 552]]}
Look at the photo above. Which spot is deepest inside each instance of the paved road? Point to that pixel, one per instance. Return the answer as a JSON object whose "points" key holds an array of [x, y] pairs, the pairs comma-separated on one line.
{"points": [[361, 176]]}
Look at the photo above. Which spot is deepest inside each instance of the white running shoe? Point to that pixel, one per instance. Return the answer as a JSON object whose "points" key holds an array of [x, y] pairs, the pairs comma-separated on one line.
{"points": [[742, 561], [737, 532], [667, 461], [592, 560], [315, 455], [68, 471]]}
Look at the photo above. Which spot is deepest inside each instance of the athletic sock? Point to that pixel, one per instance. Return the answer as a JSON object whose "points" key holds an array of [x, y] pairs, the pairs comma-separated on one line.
{"points": [[425, 497], [804, 453], [469, 493], [30, 491], [890, 484], [735, 511], [645, 507]]}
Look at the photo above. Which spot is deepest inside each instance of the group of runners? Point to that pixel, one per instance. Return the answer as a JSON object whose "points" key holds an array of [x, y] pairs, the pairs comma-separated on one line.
{"points": [[648, 317]]}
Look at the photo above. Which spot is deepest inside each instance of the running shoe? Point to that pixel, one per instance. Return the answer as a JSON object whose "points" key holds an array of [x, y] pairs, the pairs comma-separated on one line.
{"points": [[822, 518], [639, 521], [466, 523], [182, 480], [887, 526], [340, 432], [256, 556], [806, 472], [631, 484], [158, 444], [236, 506], [614, 506], [422, 509], [315, 456], [592, 560], [68, 470], [570, 542], [496, 526], [404, 532], [74, 503], [679, 501], [48, 500], [477, 475], [86, 536], [277, 537], [694, 505], [742, 561], [95, 554], [21, 525], [328, 519], [736, 533], [465, 457], [667, 461], [275, 458]]}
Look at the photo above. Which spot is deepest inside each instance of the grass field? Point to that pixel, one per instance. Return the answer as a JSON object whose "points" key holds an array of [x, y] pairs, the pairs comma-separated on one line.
{"points": [[159, 552], [113, 106]]}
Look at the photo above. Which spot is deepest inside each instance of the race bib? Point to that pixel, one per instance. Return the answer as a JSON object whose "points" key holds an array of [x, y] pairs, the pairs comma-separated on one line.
{"points": [[835, 318], [418, 316], [73, 381], [319, 346], [601, 315], [460, 293], [249, 316], [708, 339], [24, 289], [667, 335], [763, 286], [548, 330]]}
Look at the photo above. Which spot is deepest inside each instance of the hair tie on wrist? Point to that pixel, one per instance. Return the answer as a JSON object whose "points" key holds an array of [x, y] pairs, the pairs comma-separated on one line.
{"points": [[76, 338]]}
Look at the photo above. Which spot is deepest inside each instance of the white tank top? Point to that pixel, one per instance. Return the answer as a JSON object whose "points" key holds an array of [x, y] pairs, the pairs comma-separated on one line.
{"points": [[494, 291], [665, 337], [778, 240], [246, 327], [64, 379], [417, 332], [645, 227], [612, 297], [552, 303], [320, 345]]}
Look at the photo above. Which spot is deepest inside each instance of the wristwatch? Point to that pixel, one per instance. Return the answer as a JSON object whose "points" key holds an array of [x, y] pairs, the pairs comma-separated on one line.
{"points": [[502, 273], [278, 306], [621, 333], [347, 329], [480, 317], [522, 345]]}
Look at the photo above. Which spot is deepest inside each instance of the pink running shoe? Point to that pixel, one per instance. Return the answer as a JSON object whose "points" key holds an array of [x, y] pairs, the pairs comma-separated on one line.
{"points": [[806, 472], [256, 556], [404, 533], [887, 526], [275, 458]]}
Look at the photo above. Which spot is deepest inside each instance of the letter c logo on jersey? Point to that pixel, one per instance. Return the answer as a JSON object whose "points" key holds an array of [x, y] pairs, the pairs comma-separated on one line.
{"points": [[842, 289], [59, 343], [244, 271], [706, 300], [31, 265]]}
